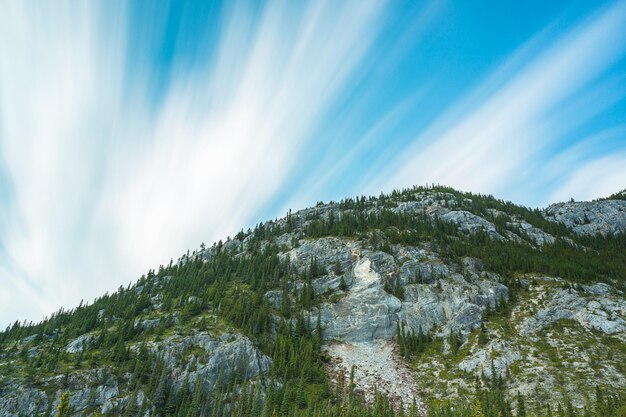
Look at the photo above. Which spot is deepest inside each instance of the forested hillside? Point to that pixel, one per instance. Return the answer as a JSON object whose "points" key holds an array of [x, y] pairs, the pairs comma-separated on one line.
{"points": [[426, 301]]}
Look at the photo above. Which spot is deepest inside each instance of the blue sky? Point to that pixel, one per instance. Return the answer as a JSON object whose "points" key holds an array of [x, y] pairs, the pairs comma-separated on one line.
{"points": [[131, 132]]}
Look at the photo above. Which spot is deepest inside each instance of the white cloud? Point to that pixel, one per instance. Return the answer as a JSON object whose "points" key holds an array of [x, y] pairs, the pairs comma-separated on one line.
{"points": [[104, 186], [102, 183], [598, 178], [53, 128], [492, 144]]}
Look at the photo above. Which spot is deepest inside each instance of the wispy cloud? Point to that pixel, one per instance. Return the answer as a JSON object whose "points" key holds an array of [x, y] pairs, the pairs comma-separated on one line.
{"points": [[598, 177], [124, 144], [104, 184], [496, 140], [60, 96]]}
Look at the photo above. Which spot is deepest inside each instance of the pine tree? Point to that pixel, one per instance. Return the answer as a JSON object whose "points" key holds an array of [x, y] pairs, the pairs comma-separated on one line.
{"points": [[521, 406], [453, 341], [483, 336], [64, 406], [399, 289], [342, 284]]}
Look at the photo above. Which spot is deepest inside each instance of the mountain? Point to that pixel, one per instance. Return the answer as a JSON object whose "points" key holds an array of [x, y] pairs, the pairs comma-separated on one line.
{"points": [[424, 301]]}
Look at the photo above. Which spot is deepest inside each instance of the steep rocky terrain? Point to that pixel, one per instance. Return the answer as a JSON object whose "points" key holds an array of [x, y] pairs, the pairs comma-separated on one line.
{"points": [[421, 296]]}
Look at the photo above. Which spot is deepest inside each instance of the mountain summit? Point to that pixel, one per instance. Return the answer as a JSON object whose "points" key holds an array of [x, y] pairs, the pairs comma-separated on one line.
{"points": [[423, 301]]}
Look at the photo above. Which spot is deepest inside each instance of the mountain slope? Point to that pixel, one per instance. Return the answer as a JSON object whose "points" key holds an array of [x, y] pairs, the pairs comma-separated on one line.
{"points": [[362, 307]]}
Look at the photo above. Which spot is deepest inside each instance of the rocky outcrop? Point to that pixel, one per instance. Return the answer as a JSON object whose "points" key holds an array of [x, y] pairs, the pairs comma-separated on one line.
{"points": [[221, 355], [327, 252], [443, 299], [533, 233], [450, 306], [90, 390], [590, 217], [471, 223], [496, 357], [224, 355], [605, 314], [366, 313], [17, 399], [99, 389], [80, 343], [147, 324]]}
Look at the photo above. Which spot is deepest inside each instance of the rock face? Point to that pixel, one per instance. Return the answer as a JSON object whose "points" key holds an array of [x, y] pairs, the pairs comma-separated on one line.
{"points": [[471, 223], [590, 218], [78, 344], [221, 356], [604, 314], [536, 234], [328, 252], [457, 307], [17, 399], [362, 324], [94, 389], [440, 298], [366, 313], [99, 389]]}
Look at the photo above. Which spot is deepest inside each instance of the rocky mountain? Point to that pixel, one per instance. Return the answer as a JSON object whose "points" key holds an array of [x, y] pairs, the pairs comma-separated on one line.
{"points": [[423, 301]]}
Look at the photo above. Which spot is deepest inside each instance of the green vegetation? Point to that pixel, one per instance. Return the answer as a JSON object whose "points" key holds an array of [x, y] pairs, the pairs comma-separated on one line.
{"points": [[64, 406], [490, 401]]}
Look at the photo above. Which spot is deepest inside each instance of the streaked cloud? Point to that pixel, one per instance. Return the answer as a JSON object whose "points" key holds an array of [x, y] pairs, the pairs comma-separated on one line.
{"points": [[495, 141], [128, 136], [596, 178], [104, 185]]}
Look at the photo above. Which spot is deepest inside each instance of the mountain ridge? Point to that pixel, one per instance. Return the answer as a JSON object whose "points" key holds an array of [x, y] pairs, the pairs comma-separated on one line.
{"points": [[439, 282]]}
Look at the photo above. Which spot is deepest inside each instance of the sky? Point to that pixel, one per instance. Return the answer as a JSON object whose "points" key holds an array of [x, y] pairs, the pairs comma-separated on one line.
{"points": [[131, 132]]}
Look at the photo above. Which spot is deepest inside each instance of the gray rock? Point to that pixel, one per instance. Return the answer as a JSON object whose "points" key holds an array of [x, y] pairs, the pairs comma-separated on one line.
{"points": [[28, 339], [147, 324], [450, 306], [536, 235], [331, 283], [471, 223], [233, 245], [497, 356], [275, 298], [96, 388], [225, 355], [590, 218], [367, 312], [598, 289], [326, 251], [423, 308], [605, 314], [77, 345], [17, 399]]}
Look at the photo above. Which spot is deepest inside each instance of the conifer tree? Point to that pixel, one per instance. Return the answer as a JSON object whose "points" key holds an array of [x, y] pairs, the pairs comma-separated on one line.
{"points": [[521, 406], [64, 406]]}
